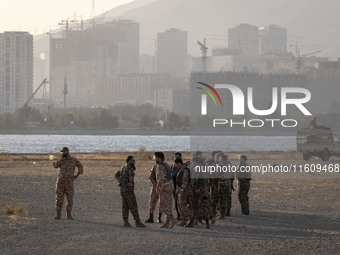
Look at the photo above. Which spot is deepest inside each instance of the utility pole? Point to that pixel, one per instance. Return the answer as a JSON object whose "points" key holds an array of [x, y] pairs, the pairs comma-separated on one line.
{"points": [[93, 11], [65, 92]]}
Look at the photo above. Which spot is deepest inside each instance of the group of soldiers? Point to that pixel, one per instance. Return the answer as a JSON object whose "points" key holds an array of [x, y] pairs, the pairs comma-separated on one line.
{"points": [[197, 198]]}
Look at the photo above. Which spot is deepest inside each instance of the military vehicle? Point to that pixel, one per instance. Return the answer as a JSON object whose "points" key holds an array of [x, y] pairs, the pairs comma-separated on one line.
{"points": [[319, 142]]}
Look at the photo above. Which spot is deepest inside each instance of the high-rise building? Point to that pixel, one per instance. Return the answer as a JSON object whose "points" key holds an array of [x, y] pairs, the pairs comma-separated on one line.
{"points": [[244, 37], [273, 40], [16, 70], [90, 59], [172, 52], [128, 46]]}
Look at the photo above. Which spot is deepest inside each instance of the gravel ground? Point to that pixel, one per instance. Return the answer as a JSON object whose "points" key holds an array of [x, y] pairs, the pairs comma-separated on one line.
{"points": [[291, 215]]}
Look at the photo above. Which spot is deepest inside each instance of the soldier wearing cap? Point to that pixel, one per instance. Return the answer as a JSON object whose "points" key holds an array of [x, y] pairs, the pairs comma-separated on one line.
{"points": [[153, 198], [221, 194], [184, 192], [65, 181], [243, 175], [164, 189]]}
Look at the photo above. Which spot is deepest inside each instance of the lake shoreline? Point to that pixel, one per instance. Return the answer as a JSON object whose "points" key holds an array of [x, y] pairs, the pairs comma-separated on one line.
{"points": [[119, 132]]}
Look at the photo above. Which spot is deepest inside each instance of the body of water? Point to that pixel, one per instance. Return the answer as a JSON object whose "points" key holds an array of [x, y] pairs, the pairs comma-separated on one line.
{"points": [[95, 143]]}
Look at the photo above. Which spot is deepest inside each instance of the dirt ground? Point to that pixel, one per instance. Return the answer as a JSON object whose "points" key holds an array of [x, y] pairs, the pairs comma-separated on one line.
{"points": [[289, 214]]}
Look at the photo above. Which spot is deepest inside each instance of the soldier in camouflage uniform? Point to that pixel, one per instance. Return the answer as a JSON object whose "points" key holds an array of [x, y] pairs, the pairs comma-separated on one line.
{"points": [[164, 189], [184, 194], [65, 182], [228, 182], [214, 187], [174, 172], [153, 197], [125, 177], [243, 175], [201, 196], [221, 189]]}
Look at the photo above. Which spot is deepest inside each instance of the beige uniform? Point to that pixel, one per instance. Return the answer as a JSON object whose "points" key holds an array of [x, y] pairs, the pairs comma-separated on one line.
{"points": [[184, 191], [153, 193], [65, 181], [165, 187]]}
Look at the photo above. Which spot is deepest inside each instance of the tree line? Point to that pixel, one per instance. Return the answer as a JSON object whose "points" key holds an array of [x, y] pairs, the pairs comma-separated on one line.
{"points": [[144, 116]]}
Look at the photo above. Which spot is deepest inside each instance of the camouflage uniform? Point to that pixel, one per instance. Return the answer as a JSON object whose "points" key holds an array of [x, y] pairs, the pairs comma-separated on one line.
{"points": [[219, 196], [153, 193], [229, 180], [184, 191], [222, 193], [174, 172], [244, 179], [229, 184], [201, 199], [164, 187], [128, 195], [65, 181]]}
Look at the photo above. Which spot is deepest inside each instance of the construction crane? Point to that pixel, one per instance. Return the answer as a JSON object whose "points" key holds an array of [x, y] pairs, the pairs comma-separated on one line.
{"points": [[35, 92], [299, 59], [75, 20], [204, 50]]}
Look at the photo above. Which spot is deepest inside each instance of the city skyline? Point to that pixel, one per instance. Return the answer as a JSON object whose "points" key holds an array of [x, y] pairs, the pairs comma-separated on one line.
{"points": [[313, 34], [98, 59]]}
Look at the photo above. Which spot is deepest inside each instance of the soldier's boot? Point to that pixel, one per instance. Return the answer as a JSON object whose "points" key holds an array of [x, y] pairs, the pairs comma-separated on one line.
{"points": [[69, 216], [228, 212], [159, 219], [166, 224], [190, 224], [150, 220], [182, 223], [245, 210], [173, 222], [126, 223], [58, 215], [139, 224], [207, 224]]}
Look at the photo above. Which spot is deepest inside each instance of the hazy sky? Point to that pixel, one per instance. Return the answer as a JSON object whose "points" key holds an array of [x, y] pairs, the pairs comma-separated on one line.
{"points": [[38, 16]]}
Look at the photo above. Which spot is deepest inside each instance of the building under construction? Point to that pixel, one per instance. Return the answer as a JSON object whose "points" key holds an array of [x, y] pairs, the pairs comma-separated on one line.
{"points": [[87, 61]]}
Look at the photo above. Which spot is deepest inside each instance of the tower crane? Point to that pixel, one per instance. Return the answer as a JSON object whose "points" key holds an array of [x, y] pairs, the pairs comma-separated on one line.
{"points": [[299, 59], [35, 92], [204, 50]]}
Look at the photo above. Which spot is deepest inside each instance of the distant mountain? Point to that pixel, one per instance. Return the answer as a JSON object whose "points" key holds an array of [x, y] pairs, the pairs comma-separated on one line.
{"points": [[119, 10], [311, 22]]}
